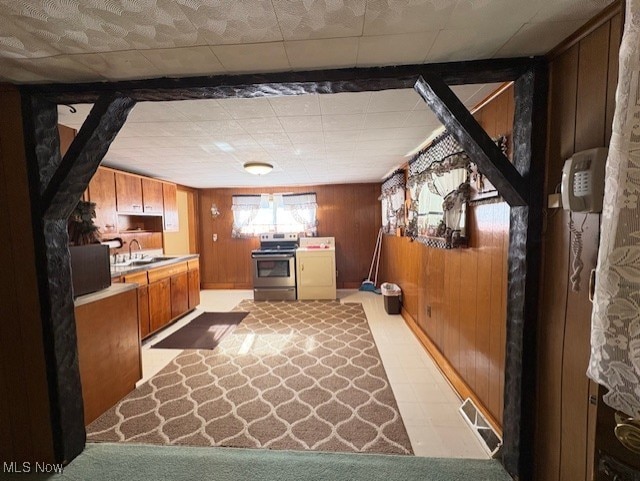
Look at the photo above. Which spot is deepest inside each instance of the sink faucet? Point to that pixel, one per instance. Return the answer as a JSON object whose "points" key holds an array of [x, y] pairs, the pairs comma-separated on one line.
{"points": [[131, 245]]}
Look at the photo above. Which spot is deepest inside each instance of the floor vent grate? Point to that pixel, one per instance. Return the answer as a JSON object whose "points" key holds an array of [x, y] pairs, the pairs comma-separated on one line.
{"points": [[483, 430]]}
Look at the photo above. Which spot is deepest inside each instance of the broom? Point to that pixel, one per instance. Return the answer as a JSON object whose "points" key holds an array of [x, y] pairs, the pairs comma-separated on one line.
{"points": [[369, 285]]}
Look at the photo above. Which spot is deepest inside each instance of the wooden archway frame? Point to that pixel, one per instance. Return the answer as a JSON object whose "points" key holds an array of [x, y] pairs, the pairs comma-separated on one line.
{"points": [[57, 183]]}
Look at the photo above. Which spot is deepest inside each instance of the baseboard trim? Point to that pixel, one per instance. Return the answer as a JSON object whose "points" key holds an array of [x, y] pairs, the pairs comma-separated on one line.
{"points": [[459, 384]]}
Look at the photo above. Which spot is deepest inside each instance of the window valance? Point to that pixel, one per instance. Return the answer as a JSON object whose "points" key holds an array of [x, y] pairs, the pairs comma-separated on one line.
{"points": [[261, 213], [392, 199]]}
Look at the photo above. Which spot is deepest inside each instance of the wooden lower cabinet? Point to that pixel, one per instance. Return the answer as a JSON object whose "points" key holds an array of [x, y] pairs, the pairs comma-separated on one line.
{"points": [[160, 303], [165, 293], [194, 286], [144, 319], [179, 294], [108, 351]]}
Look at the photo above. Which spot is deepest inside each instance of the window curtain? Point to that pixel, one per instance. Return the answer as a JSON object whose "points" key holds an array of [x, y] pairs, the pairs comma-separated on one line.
{"points": [[245, 209], [615, 332], [392, 199], [303, 209]]}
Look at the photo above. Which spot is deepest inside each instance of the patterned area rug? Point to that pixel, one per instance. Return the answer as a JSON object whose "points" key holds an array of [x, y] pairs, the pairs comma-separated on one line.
{"points": [[292, 375]]}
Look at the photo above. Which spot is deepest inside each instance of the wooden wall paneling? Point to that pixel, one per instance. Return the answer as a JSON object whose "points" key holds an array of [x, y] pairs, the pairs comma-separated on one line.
{"points": [[436, 289], [615, 36], [499, 244], [343, 212], [66, 134], [483, 307], [453, 299], [26, 419], [590, 132], [562, 112], [468, 306]]}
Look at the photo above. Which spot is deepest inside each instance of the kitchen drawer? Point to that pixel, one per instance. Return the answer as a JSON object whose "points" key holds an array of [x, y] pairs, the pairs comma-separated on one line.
{"points": [[163, 272], [136, 278]]}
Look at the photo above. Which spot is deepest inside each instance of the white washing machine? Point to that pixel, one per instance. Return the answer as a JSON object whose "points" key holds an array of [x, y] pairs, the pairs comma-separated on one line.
{"points": [[316, 268]]}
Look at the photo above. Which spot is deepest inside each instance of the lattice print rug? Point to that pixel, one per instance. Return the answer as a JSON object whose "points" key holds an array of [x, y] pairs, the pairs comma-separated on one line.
{"points": [[293, 375]]}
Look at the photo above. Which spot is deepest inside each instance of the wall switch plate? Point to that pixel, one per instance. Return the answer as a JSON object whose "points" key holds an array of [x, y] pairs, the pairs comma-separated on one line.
{"points": [[215, 237], [554, 201]]}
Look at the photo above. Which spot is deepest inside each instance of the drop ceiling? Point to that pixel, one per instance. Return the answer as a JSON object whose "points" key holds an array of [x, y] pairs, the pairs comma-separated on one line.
{"points": [[351, 137]]}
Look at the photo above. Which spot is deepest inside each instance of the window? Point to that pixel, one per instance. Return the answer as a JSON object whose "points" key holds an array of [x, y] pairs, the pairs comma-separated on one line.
{"points": [[282, 213]]}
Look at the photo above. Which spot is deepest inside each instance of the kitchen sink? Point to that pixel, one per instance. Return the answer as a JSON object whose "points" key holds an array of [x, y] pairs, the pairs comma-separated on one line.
{"points": [[149, 260]]}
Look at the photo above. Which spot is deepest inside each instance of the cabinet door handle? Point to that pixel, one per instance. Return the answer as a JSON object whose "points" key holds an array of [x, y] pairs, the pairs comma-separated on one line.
{"points": [[148, 207]]}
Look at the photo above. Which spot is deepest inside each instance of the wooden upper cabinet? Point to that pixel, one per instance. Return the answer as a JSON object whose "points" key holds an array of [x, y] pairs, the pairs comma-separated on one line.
{"points": [[102, 191], [170, 193], [152, 196], [128, 193]]}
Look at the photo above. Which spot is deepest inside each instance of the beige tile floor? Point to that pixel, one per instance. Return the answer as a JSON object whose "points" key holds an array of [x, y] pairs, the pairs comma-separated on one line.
{"points": [[427, 403]]}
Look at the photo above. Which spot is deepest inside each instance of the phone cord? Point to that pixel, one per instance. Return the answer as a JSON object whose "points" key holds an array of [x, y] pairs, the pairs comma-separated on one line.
{"points": [[576, 248]]}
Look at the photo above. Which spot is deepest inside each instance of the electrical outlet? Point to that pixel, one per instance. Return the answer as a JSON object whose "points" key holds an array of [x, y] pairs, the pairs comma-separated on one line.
{"points": [[215, 237]]}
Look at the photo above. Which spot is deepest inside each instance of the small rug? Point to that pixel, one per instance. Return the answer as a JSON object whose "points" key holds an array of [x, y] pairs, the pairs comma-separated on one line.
{"points": [[204, 332], [292, 375]]}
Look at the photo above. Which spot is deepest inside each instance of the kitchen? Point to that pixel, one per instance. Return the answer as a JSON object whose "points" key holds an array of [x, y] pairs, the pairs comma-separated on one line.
{"points": [[438, 281], [220, 253]]}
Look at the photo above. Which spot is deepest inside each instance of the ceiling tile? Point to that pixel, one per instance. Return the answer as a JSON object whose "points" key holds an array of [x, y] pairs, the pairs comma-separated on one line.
{"points": [[184, 61], [341, 137], [385, 120], [405, 16], [208, 109], [231, 21], [482, 14], [248, 108], [295, 105], [272, 139], [342, 122], [257, 57], [398, 100], [306, 138], [219, 129], [565, 10], [260, 126], [401, 49], [304, 123], [344, 103], [465, 92], [422, 117], [320, 18], [154, 112], [50, 69], [129, 64], [538, 38], [453, 45], [325, 53]]}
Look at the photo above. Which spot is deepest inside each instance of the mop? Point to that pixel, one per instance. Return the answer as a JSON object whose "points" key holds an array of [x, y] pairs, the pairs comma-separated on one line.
{"points": [[369, 285]]}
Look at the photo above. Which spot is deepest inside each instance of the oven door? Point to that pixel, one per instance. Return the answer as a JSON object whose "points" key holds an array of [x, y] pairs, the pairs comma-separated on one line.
{"points": [[274, 270]]}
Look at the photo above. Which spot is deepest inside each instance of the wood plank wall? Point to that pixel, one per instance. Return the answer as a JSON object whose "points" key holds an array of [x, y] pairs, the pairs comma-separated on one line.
{"points": [[464, 290], [25, 424], [583, 78], [348, 212]]}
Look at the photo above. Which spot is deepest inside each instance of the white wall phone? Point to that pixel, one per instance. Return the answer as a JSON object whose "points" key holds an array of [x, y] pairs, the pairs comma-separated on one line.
{"points": [[583, 180]]}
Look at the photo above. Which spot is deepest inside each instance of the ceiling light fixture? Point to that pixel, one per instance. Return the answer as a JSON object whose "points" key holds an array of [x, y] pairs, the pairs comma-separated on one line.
{"points": [[258, 168]]}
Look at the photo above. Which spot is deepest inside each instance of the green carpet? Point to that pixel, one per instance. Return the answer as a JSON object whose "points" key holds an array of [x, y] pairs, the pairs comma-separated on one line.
{"points": [[118, 462]]}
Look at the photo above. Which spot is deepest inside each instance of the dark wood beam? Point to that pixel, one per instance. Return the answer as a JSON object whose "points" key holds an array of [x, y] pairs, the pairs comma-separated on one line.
{"points": [[64, 183], [474, 140], [524, 265], [84, 155], [287, 83], [48, 150]]}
